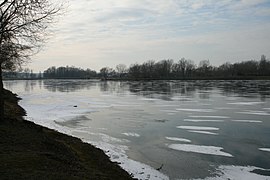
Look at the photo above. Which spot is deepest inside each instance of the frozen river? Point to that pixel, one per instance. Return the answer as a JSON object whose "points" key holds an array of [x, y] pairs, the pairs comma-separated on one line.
{"points": [[161, 129]]}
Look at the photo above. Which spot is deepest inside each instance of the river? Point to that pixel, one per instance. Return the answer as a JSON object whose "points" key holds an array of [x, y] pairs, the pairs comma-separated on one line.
{"points": [[161, 129]]}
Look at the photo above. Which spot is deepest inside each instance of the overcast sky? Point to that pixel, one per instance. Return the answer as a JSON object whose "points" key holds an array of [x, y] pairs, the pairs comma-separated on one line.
{"points": [[98, 33]]}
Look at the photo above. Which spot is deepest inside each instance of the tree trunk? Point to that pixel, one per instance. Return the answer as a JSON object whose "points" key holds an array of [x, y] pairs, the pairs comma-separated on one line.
{"points": [[1, 96]]}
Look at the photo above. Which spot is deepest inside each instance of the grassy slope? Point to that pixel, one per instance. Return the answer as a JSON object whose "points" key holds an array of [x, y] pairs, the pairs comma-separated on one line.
{"points": [[29, 151]]}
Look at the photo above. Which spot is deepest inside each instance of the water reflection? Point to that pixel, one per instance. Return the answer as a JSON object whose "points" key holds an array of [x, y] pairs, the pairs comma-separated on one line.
{"points": [[68, 85], [164, 90]]}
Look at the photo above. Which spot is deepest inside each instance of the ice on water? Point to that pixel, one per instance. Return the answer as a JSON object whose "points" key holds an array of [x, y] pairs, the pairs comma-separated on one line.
{"points": [[215, 117], [178, 139], [211, 150], [245, 103], [203, 120], [196, 110], [198, 128], [265, 149], [247, 121], [253, 112], [131, 134], [237, 173], [203, 132], [117, 153]]}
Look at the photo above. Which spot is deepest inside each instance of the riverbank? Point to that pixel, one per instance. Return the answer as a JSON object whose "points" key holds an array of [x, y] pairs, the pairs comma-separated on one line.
{"points": [[30, 151]]}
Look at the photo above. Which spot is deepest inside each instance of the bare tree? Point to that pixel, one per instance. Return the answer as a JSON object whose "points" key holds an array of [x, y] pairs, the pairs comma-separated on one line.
{"points": [[190, 68], [22, 32], [204, 68], [183, 68], [105, 71], [264, 66], [121, 69], [150, 68], [164, 68]]}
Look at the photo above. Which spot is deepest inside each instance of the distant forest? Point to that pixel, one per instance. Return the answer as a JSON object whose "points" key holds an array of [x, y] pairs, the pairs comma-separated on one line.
{"points": [[166, 69]]}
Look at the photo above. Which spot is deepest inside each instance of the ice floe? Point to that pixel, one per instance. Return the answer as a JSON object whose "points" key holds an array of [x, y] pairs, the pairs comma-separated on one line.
{"points": [[218, 117], [169, 111], [148, 99], [211, 150], [251, 112], [196, 110], [178, 139], [166, 105], [265, 149], [177, 98], [203, 132], [237, 173], [124, 105], [203, 120], [198, 128], [247, 121], [131, 134], [246, 103], [107, 138], [223, 108]]}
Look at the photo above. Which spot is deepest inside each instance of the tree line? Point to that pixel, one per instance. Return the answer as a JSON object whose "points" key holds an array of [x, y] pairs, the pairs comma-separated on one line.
{"points": [[164, 69], [187, 69], [69, 72], [168, 69]]}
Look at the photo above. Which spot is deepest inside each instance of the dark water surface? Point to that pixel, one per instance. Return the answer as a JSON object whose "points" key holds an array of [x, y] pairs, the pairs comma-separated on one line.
{"points": [[186, 128]]}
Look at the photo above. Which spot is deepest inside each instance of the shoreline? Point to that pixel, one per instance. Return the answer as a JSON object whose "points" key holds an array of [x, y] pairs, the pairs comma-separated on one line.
{"points": [[31, 151]]}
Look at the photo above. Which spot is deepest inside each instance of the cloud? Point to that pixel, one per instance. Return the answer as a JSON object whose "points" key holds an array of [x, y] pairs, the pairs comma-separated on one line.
{"points": [[197, 5], [100, 19], [252, 2], [118, 31]]}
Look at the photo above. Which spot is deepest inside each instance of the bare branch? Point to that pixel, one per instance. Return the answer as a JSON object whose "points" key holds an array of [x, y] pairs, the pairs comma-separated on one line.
{"points": [[23, 25]]}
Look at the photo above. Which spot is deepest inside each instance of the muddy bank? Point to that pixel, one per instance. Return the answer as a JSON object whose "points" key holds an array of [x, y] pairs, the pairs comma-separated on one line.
{"points": [[30, 151]]}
